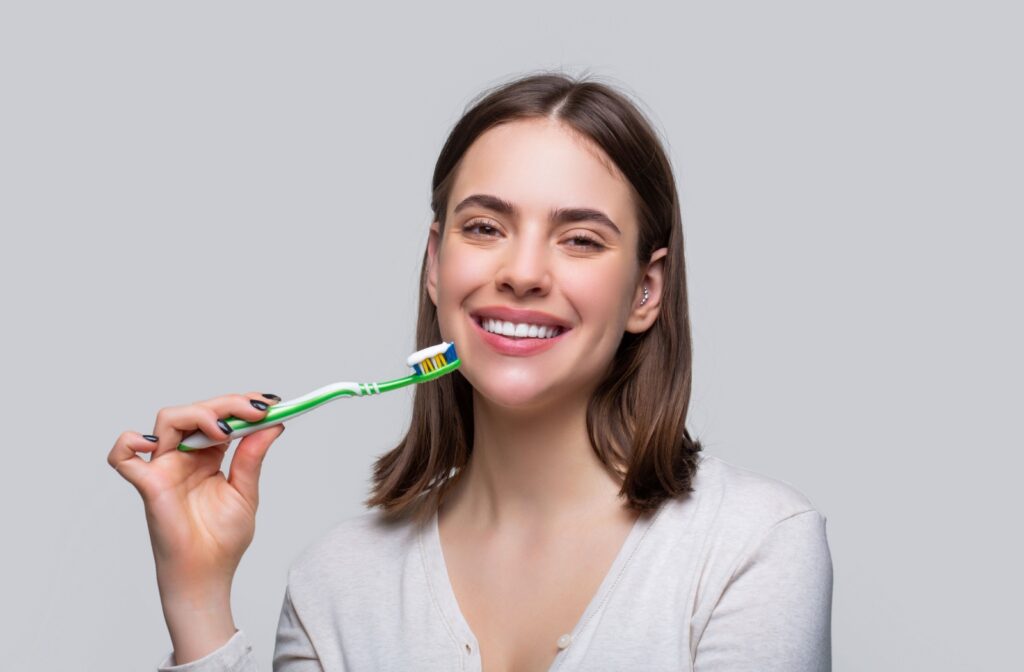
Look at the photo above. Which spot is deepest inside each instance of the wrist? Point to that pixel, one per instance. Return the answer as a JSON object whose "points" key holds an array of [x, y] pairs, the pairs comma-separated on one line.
{"points": [[192, 584]]}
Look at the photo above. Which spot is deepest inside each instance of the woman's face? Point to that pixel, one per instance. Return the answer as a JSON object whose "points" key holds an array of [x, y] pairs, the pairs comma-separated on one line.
{"points": [[503, 248]]}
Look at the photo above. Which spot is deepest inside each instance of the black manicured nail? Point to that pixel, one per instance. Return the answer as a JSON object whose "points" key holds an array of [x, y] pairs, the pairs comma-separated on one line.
{"points": [[258, 404], [272, 397], [150, 437], [224, 427]]}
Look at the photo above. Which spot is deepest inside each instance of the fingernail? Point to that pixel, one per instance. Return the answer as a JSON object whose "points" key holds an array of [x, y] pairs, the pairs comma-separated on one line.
{"points": [[272, 397], [224, 427], [150, 437], [258, 404]]}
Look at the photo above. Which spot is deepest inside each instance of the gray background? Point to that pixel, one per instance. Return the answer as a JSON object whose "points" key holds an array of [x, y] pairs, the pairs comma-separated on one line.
{"points": [[202, 198]]}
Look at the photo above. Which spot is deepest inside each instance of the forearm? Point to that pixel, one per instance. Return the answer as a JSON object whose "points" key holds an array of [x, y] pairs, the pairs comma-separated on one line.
{"points": [[199, 622]]}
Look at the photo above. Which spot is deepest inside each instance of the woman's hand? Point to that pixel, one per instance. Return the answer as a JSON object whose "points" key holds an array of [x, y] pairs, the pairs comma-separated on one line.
{"points": [[200, 523]]}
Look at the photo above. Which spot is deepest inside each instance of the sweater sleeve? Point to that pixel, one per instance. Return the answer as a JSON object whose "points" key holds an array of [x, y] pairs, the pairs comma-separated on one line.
{"points": [[234, 656], [775, 613], [293, 651]]}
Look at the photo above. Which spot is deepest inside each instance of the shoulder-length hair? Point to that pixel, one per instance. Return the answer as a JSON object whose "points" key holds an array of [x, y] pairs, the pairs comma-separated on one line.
{"points": [[636, 417]]}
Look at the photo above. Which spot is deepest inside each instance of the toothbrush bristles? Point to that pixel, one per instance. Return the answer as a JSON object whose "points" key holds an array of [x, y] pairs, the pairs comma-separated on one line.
{"points": [[434, 358]]}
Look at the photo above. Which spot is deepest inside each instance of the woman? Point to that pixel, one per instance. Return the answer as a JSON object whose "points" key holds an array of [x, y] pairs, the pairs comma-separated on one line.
{"points": [[547, 508]]}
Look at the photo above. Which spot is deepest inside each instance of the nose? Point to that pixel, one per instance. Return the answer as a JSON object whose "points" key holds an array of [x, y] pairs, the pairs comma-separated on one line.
{"points": [[524, 268]]}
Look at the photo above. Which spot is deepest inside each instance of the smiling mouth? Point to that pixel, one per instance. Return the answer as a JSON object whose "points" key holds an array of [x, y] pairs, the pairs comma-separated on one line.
{"points": [[522, 331]]}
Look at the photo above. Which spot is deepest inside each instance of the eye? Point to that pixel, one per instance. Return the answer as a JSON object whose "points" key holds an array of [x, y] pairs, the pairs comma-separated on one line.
{"points": [[479, 226], [585, 241]]}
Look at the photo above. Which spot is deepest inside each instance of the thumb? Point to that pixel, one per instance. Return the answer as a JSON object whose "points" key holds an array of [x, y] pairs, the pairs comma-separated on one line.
{"points": [[248, 462]]}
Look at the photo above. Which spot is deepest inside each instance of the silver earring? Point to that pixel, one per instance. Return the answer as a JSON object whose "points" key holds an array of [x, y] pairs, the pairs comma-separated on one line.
{"points": [[644, 300]]}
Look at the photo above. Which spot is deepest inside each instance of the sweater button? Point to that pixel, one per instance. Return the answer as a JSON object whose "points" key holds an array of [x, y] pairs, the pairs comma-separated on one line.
{"points": [[564, 641]]}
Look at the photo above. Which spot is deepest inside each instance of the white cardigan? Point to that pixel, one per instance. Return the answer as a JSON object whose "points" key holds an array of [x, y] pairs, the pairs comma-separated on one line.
{"points": [[734, 576]]}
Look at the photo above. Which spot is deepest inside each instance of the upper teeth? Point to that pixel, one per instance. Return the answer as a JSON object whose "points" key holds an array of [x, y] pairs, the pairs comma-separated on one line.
{"points": [[520, 330]]}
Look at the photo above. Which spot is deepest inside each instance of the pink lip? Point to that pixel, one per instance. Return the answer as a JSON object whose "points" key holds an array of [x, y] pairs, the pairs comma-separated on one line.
{"points": [[518, 347]]}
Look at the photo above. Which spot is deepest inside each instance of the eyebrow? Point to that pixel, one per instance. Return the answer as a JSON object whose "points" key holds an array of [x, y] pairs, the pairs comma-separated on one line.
{"points": [[558, 215]]}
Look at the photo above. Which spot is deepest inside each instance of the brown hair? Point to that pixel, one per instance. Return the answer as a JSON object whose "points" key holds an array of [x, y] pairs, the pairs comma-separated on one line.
{"points": [[636, 417]]}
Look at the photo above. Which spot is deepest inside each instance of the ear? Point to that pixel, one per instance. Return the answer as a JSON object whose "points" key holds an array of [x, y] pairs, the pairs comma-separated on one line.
{"points": [[433, 245], [642, 317]]}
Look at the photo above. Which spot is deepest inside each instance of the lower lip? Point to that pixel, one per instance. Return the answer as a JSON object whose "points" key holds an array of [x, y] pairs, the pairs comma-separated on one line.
{"points": [[517, 347]]}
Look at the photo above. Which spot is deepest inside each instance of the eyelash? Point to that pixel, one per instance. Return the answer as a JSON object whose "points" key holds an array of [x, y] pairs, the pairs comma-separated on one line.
{"points": [[593, 243]]}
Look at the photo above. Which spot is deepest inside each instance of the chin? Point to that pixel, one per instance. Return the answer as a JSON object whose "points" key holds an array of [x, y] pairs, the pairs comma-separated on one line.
{"points": [[511, 390]]}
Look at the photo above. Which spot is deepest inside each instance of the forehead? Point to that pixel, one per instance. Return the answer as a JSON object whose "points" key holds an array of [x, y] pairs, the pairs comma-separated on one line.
{"points": [[539, 164]]}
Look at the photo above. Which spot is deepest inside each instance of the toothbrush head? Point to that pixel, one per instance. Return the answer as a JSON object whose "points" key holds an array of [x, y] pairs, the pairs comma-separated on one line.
{"points": [[434, 361]]}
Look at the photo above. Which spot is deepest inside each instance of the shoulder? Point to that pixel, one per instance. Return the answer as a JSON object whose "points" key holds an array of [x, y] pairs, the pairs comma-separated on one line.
{"points": [[732, 508], [743, 492], [357, 545]]}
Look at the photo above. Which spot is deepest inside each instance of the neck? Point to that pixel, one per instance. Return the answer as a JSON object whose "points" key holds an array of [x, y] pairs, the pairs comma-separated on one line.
{"points": [[532, 469]]}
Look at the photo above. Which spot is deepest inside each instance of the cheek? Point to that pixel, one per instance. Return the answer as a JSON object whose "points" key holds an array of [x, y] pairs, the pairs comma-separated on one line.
{"points": [[459, 274], [597, 293]]}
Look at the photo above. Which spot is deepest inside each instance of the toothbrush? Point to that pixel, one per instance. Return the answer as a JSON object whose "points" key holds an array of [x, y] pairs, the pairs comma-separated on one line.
{"points": [[428, 364]]}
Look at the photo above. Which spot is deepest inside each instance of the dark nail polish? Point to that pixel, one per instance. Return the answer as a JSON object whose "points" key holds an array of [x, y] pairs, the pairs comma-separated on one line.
{"points": [[224, 427], [258, 404], [272, 397], [150, 437]]}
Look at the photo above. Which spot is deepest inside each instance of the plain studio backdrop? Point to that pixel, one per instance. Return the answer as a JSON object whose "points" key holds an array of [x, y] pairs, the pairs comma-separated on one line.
{"points": [[203, 198]]}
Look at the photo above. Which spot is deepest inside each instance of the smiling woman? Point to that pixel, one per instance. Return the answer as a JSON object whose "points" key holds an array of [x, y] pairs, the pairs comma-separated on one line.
{"points": [[527, 193], [547, 508]]}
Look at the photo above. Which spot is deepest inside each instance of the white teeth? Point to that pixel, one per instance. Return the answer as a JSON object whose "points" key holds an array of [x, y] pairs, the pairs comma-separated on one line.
{"points": [[521, 330]]}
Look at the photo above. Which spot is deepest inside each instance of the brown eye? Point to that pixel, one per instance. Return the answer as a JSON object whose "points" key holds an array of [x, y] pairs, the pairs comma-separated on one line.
{"points": [[583, 241], [483, 228]]}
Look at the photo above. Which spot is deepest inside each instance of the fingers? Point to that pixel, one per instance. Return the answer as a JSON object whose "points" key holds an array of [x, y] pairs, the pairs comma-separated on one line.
{"points": [[174, 422], [123, 459], [247, 463], [241, 405]]}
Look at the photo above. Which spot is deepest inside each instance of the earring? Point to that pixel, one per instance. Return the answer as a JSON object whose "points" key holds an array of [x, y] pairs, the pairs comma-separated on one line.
{"points": [[644, 300]]}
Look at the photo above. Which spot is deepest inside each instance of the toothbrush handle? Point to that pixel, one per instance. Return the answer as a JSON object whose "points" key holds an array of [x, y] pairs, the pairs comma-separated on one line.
{"points": [[278, 413]]}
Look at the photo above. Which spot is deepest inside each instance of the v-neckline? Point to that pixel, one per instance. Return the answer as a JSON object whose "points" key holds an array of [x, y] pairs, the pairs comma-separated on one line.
{"points": [[455, 622]]}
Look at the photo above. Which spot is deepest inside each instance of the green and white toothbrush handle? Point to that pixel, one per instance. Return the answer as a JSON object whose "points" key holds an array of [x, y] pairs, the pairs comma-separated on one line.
{"points": [[278, 413], [427, 364]]}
